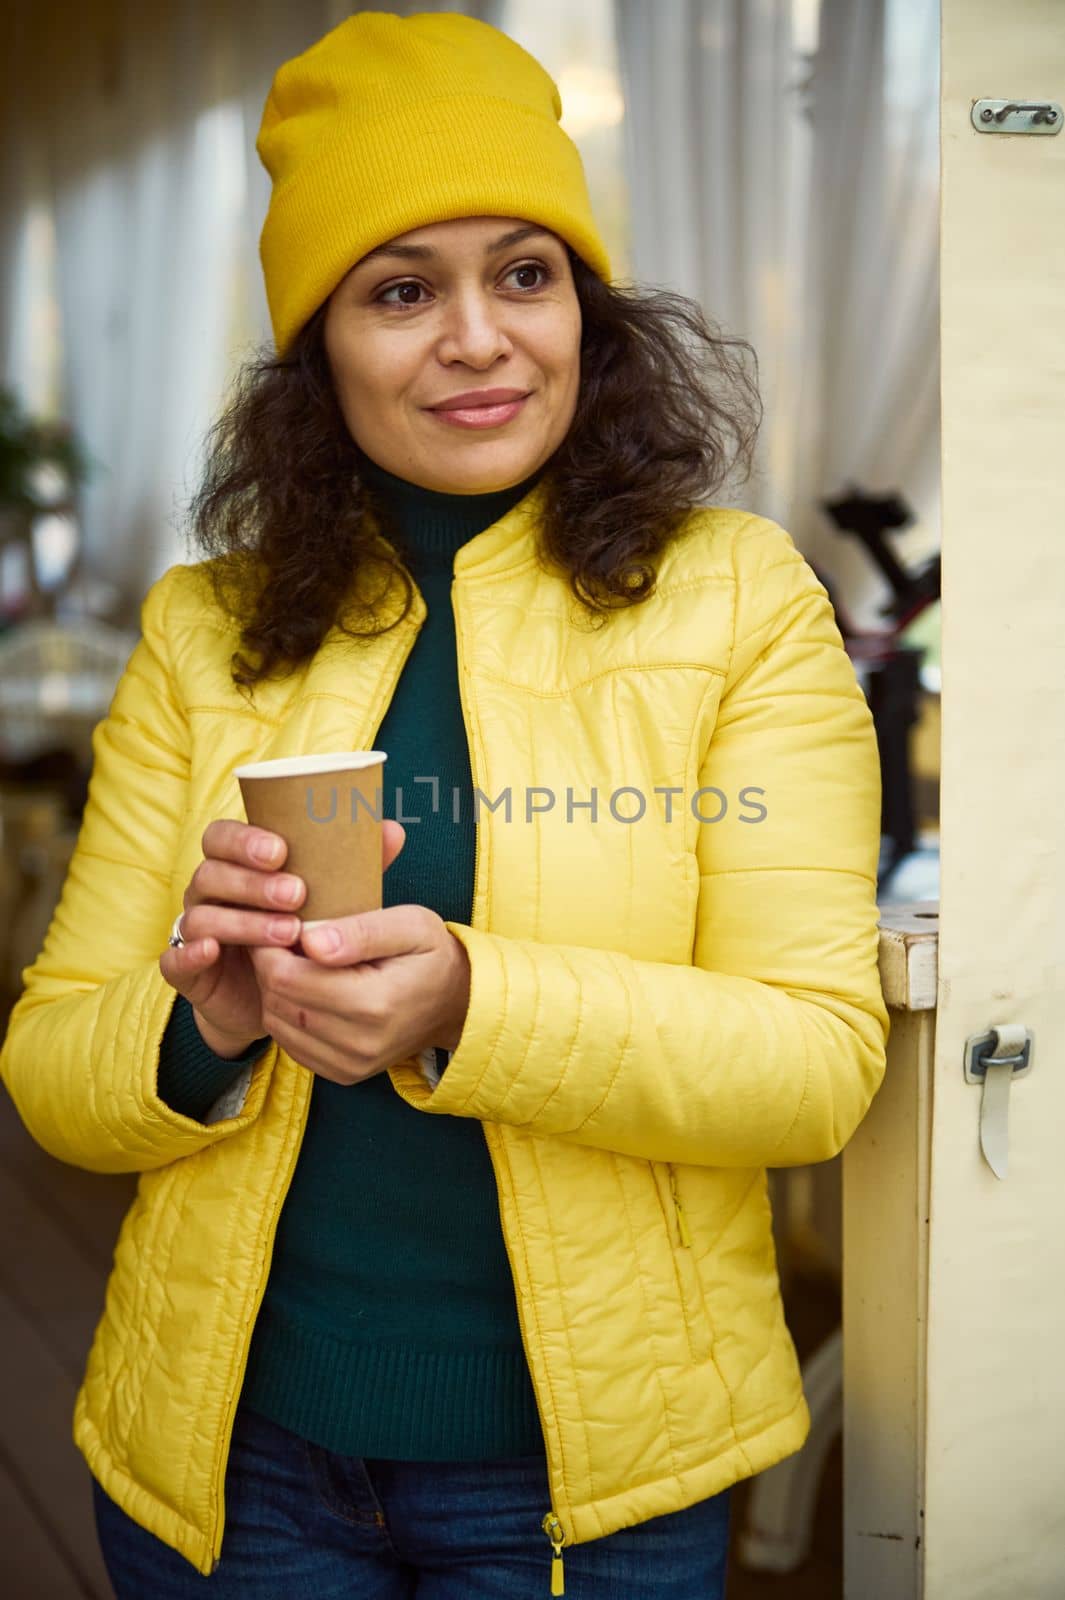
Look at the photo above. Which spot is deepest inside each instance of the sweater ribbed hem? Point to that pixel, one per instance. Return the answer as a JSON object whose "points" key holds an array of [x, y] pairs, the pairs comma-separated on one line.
{"points": [[191, 1076], [395, 1403]]}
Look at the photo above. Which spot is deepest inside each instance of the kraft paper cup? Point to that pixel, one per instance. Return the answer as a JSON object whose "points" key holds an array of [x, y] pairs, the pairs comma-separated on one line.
{"points": [[328, 809]]}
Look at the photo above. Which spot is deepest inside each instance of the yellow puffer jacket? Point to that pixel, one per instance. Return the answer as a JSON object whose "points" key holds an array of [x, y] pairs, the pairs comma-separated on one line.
{"points": [[659, 1008]]}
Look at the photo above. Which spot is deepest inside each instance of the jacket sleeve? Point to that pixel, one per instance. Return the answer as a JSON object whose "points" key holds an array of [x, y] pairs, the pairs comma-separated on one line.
{"points": [[767, 1049], [82, 1048]]}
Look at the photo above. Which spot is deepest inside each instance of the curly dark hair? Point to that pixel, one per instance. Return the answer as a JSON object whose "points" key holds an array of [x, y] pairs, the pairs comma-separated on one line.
{"points": [[666, 412]]}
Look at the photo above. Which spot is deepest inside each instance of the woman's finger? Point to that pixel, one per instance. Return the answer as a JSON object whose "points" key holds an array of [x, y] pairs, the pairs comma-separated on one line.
{"points": [[230, 840], [185, 966], [231, 925], [373, 935], [233, 884], [393, 838]]}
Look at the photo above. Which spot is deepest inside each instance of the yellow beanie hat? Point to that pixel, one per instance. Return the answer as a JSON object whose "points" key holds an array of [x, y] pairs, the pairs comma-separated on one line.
{"points": [[389, 123]]}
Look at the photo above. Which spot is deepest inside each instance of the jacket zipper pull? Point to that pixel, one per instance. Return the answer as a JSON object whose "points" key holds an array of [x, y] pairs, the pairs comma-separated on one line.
{"points": [[682, 1221], [553, 1528]]}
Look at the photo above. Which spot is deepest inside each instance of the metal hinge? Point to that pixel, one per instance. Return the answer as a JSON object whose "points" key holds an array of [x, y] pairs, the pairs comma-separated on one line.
{"points": [[1017, 116]]}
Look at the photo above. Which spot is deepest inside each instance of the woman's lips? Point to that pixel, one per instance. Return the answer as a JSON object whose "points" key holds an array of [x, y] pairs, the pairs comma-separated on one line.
{"points": [[488, 413]]}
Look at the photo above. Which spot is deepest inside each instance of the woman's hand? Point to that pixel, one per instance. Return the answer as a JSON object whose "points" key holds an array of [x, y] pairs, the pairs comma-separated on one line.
{"points": [[238, 900], [396, 981]]}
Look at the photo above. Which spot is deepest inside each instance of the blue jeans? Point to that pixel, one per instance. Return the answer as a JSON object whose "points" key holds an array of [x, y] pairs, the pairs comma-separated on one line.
{"points": [[305, 1524]]}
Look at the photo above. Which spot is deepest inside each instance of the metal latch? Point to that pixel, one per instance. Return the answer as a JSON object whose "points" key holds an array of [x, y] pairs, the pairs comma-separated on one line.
{"points": [[994, 1059], [1017, 116]]}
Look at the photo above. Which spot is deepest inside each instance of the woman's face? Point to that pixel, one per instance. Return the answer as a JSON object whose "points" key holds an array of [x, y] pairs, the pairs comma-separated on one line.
{"points": [[455, 352]]}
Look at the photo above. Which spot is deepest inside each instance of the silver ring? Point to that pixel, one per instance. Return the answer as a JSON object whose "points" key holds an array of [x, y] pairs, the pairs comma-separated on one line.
{"points": [[175, 940]]}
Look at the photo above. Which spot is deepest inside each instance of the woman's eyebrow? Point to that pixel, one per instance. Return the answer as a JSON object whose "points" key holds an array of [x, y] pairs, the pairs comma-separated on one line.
{"points": [[425, 252]]}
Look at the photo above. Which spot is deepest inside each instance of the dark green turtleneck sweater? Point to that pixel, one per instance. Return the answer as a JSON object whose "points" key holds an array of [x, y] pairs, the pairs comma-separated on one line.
{"points": [[389, 1327]]}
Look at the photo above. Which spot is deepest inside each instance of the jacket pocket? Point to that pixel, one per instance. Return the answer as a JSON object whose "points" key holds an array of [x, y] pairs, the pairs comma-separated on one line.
{"points": [[689, 1290]]}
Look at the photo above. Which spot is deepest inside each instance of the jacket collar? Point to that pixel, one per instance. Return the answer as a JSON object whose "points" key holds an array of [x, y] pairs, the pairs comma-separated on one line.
{"points": [[504, 546], [508, 543]]}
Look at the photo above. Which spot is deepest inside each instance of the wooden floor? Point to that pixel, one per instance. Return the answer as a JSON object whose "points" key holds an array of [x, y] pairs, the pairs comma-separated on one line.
{"points": [[55, 1252]]}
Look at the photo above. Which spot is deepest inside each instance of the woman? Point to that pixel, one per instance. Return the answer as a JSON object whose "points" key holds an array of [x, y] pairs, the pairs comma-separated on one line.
{"points": [[450, 1270]]}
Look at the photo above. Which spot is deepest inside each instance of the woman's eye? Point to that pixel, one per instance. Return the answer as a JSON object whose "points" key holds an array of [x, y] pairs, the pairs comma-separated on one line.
{"points": [[529, 275], [402, 294]]}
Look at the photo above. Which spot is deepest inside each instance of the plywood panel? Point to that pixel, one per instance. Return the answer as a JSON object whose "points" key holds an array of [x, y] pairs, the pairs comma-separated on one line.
{"points": [[995, 1512], [885, 1245]]}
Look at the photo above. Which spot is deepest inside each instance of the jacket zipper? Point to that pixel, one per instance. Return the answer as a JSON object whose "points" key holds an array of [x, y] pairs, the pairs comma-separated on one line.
{"points": [[227, 1433], [682, 1221], [551, 1526], [464, 703], [557, 1535], [220, 1471], [693, 1306]]}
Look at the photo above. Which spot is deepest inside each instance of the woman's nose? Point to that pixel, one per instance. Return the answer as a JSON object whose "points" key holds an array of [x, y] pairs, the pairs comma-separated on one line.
{"points": [[473, 331]]}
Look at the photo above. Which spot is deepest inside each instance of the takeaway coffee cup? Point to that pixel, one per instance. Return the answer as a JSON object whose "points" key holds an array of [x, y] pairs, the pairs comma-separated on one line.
{"points": [[328, 810]]}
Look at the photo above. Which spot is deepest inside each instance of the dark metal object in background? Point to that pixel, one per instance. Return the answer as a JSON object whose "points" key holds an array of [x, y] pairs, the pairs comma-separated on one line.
{"points": [[892, 668]]}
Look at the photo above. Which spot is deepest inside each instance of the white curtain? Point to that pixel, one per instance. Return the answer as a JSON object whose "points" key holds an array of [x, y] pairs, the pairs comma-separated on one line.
{"points": [[140, 122], [143, 218], [797, 200], [15, 205]]}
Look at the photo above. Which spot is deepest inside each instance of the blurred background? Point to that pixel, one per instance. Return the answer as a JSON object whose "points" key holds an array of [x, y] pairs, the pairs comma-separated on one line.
{"points": [[775, 159]]}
